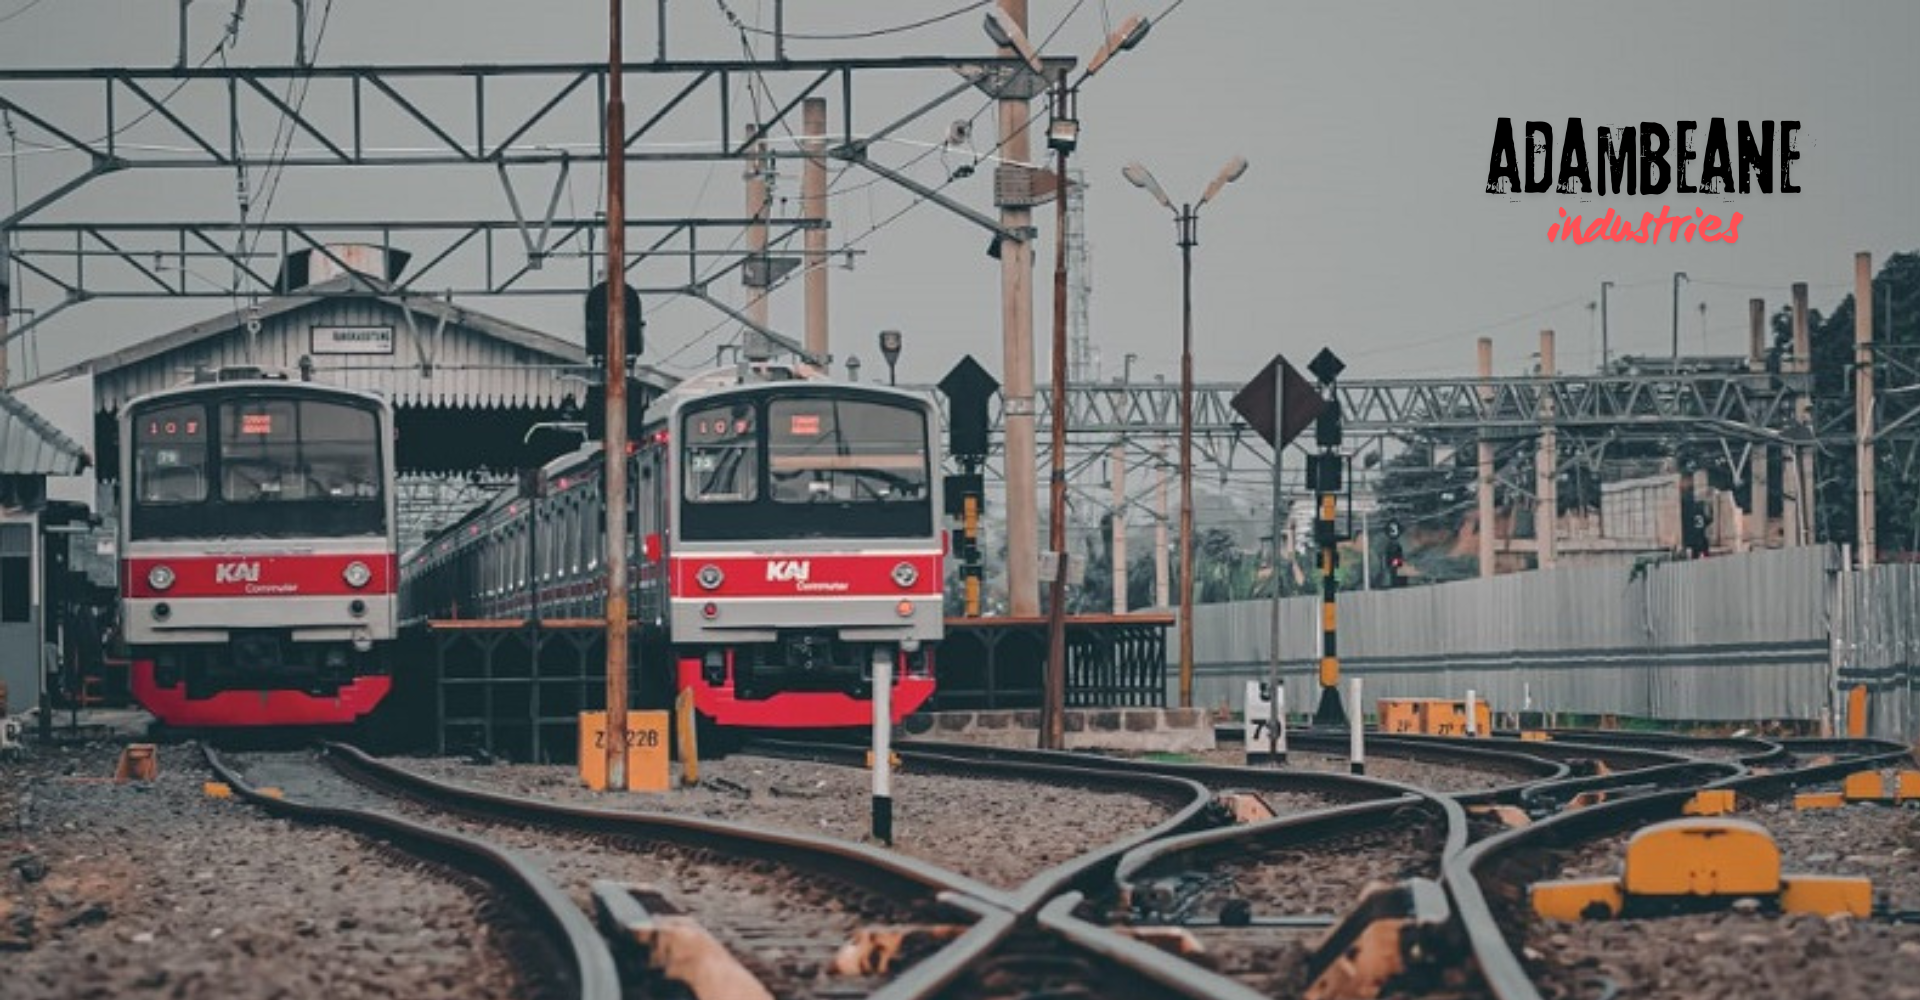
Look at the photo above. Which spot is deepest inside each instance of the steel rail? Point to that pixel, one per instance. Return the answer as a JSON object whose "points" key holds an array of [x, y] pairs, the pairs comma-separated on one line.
{"points": [[1296, 829], [1757, 750], [1464, 874], [1190, 799], [1447, 751], [898, 875], [588, 972]]}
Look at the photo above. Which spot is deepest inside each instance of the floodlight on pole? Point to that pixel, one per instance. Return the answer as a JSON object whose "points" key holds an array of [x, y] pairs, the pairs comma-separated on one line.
{"points": [[1130, 33], [1140, 177], [1006, 34], [1233, 170]]}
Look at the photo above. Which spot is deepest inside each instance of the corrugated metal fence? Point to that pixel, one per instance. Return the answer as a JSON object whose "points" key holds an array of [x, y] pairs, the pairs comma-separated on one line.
{"points": [[1877, 644], [1732, 638]]}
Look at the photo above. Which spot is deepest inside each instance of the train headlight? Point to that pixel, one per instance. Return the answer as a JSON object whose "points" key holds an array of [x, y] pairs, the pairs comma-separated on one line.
{"points": [[160, 578], [905, 574], [904, 609], [709, 577], [357, 574]]}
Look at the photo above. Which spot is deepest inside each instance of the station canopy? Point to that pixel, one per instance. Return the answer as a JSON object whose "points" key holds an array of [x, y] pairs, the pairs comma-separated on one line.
{"points": [[466, 387]]}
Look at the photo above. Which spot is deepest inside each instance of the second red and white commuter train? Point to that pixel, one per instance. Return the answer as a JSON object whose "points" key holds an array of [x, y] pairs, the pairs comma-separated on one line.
{"points": [[785, 534]]}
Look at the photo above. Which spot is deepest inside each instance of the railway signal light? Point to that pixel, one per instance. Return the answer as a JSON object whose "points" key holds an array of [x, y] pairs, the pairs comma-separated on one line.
{"points": [[597, 322], [1396, 562], [968, 389]]}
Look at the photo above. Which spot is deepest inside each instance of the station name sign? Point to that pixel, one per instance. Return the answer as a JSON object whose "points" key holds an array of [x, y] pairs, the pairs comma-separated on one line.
{"points": [[352, 340]]}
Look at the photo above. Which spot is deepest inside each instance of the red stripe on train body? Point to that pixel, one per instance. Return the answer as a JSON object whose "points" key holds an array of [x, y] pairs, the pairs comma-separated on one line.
{"points": [[254, 576], [809, 574]]}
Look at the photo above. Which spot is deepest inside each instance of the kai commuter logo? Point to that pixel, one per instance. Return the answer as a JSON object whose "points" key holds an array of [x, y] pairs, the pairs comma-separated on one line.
{"points": [[788, 570], [236, 572], [1717, 162]]}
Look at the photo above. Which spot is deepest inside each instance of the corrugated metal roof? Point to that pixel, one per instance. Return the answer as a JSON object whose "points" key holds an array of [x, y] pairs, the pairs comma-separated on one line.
{"points": [[30, 446], [439, 354]]}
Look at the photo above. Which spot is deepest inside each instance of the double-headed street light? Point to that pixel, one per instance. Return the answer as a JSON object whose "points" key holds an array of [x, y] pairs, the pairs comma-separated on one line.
{"points": [[1063, 137], [1187, 224]]}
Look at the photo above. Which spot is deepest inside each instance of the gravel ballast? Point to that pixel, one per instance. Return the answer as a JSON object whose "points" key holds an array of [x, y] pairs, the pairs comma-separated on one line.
{"points": [[999, 831], [159, 890]]}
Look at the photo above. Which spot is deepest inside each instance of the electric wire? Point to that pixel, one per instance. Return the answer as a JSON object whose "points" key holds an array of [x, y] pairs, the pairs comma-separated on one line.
{"points": [[851, 35]]}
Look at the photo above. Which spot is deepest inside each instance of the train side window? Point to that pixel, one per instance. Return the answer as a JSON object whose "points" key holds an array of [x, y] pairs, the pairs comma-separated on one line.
{"points": [[170, 454]]}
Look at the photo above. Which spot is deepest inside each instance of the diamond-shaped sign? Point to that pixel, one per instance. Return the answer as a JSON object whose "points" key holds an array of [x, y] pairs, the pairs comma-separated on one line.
{"points": [[1326, 366], [1300, 401]]}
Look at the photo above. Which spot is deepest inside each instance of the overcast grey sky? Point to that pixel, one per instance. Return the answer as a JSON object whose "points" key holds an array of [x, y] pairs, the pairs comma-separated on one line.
{"points": [[1363, 222]]}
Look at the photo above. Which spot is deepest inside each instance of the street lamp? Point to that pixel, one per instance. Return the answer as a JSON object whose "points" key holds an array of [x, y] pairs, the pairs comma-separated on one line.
{"points": [[1063, 137], [890, 349], [1186, 229]]}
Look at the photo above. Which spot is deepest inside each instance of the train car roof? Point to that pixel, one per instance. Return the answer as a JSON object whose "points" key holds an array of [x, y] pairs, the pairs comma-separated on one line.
{"points": [[259, 381]]}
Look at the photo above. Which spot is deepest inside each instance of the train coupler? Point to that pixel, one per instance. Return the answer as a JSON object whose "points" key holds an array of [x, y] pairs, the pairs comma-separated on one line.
{"points": [[1695, 864], [1864, 786]]}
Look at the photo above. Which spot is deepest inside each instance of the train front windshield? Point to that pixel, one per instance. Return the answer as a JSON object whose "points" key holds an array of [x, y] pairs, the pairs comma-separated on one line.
{"points": [[257, 466], [811, 466]]}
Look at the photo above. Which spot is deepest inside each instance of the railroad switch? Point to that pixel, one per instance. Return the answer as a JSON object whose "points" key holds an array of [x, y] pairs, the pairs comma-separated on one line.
{"points": [[217, 790], [1399, 936], [874, 950], [1512, 817], [676, 947], [1710, 802], [138, 762], [1864, 786], [1244, 807], [1699, 864]]}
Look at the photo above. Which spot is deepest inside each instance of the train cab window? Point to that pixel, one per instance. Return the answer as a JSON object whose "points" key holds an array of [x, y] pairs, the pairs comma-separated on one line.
{"points": [[847, 451], [170, 454], [722, 454], [298, 449]]}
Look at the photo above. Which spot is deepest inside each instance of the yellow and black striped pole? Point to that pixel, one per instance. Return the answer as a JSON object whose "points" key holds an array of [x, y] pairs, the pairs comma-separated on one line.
{"points": [[1330, 713], [1325, 472]]}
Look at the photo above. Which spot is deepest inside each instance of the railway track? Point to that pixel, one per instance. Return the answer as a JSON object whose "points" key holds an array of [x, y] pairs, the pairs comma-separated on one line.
{"points": [[1523, 957], [554, 946], [803, 916], [1194, 905]]}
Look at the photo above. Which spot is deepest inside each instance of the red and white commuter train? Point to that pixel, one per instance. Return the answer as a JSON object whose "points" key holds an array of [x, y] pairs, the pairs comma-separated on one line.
{"points": [[258, 580], [786, 534]]}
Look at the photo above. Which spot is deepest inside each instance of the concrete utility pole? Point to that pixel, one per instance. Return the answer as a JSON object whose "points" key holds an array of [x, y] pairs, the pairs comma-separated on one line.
{"points": [[1803, 498], [616, 432], [1759, 533], [759, 271], [1485, 478], [1546, 478], [1016, 336], [1119, 527], [1863, 405], [813, 206]]}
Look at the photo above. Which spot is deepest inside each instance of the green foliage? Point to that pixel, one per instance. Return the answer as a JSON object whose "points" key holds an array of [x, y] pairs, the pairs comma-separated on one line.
{"points": [[1896, 322]]}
